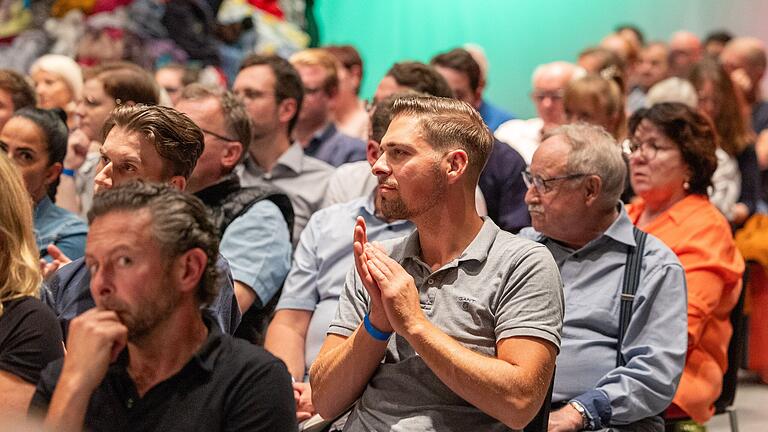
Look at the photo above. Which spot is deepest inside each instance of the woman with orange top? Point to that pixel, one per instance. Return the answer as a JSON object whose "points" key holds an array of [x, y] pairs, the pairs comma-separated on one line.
{"points": [[672, 158]]}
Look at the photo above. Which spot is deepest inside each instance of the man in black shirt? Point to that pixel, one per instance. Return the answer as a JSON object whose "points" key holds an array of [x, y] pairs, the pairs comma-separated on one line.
{"points": [[146, 357]]}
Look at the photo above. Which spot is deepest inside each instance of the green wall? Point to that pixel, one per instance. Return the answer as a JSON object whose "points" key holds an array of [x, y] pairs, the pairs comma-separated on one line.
{"points": [[517, 34]]}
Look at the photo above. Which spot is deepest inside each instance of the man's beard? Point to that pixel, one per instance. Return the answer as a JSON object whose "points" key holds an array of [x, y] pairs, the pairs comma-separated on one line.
{"points": [[148, 314], [395, 208]]}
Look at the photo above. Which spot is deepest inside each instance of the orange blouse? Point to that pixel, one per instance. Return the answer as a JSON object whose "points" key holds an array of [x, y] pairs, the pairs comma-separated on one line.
{"points": [[701, 238]]}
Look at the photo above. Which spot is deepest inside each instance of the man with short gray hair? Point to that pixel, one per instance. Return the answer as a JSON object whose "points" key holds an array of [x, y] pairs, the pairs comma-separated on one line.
{"points": [[619, 339]]}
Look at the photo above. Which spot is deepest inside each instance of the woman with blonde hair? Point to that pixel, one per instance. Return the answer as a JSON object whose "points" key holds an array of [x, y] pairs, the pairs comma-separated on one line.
{"points": [[30, 336], [58, 83], [598, 100]]}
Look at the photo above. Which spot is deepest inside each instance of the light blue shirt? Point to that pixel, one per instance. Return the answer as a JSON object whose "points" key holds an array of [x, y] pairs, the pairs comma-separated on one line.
{"points": [[322, 260], [54, 225], [302, 177], [656, 339], [258, 248]]}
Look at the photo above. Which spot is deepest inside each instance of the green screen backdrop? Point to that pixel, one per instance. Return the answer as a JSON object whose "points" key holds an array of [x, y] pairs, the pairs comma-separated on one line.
{"points": [[517, 35]]}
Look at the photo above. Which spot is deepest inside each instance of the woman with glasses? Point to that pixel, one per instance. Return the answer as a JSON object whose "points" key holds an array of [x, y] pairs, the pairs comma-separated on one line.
{"points": [[671, 161], [106, 86], [30, 336]]}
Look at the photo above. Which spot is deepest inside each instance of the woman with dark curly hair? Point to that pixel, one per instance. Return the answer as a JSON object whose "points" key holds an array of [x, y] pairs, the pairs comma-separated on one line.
{"points": [[672, 158]]}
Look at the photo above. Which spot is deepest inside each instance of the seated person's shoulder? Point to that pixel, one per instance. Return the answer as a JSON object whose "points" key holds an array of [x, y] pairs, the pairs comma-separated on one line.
{"points": [[521, 246], [242, 357], [30, 338], [312, 164]]}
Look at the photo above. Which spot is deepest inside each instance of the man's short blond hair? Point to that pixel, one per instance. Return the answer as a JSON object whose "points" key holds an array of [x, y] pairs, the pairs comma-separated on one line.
{"points": [[322, 58]]}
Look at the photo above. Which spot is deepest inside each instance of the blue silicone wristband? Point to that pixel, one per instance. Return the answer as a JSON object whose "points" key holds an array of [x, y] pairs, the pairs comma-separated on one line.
{"points": [[68, 172], [374, 332]]}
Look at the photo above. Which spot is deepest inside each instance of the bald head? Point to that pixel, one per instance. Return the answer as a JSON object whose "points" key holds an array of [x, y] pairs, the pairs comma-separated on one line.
{"points": [[745, 55], [684, 51]]}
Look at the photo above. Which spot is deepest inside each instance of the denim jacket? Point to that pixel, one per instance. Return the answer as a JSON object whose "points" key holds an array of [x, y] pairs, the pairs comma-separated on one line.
{"points": [[58, 226]]}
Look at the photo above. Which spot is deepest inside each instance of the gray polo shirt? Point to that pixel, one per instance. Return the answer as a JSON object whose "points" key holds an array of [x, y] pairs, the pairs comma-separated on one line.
{"points": [[501, 286], [302, 177]]}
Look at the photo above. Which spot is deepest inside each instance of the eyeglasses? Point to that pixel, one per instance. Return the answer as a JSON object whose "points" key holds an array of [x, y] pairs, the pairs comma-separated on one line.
{"points": [[555, 96], [545, 185], [647, 149], [221, 137]]}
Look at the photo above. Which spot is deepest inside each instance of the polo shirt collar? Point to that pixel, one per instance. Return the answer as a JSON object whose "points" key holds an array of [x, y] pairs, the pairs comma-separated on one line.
{"points": [[477, 250]]}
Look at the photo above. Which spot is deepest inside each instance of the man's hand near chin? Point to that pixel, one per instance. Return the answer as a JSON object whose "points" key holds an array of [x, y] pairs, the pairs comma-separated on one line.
{"points": [[95, 340]]}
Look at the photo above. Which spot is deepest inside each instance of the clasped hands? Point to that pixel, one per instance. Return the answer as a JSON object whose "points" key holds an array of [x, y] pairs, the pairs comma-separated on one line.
{"points": [[394, 296]]}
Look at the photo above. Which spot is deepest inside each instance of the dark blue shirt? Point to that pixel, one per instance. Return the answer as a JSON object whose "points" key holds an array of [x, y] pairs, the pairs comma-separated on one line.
{"points": [[335, 148], [68, 293], [492, 115], [504, 189]]}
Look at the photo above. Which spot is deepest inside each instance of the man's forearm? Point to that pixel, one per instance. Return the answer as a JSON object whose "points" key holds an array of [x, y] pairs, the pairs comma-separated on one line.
{"points": [[509, 392], [343, 369], [286, 339], [68, 406]]}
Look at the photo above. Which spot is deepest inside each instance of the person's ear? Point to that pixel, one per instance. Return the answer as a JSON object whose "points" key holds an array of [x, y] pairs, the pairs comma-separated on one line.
{"points": [[286, 110], [457, 162], [178, 182], [189, 269], [233, 151], [372, 151], [593, 186], [53, 172]]}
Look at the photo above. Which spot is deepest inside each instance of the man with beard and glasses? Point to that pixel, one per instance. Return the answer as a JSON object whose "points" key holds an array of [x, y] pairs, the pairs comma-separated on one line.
{"points": [[476, 310], [146, 357]]}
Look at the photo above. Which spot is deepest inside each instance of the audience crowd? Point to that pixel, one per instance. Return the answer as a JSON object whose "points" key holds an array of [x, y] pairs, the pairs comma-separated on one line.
{"points": [[235, 240]]}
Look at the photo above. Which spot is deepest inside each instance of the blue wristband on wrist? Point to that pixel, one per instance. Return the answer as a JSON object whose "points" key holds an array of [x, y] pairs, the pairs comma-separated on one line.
{"points": [[68, 172], [374, 332]]}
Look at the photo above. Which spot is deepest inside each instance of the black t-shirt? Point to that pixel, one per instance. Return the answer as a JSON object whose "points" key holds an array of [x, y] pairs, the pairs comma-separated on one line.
{"points": [[228, 385], [30, 338]]}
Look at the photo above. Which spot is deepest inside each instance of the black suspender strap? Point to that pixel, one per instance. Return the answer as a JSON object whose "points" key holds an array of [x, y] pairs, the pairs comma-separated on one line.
{"points": [[631, 282]]}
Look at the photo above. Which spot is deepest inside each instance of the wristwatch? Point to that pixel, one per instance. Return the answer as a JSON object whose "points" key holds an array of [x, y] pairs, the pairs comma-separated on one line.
{"points": [[581, 410]]}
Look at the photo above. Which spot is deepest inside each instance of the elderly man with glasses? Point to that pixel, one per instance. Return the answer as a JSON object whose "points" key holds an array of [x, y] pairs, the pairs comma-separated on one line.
{"points": [[624, 333]]}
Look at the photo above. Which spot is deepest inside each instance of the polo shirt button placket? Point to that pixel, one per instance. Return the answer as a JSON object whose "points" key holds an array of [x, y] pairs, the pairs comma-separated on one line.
{"points": [[129, 403]]}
